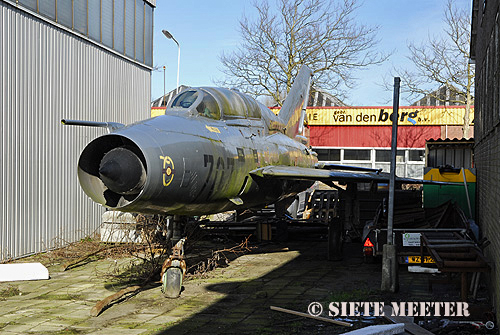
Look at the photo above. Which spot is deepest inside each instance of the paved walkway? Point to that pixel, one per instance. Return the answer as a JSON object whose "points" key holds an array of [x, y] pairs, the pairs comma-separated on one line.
{"points": [[235, 299]]}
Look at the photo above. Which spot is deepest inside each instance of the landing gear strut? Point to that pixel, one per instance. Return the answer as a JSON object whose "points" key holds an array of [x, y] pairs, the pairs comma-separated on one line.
{"points": [[173, 271]]}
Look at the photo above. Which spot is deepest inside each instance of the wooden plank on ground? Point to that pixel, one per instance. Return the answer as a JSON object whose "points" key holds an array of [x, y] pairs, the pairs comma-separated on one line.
{"points": [[305, 315], [410, 326]]}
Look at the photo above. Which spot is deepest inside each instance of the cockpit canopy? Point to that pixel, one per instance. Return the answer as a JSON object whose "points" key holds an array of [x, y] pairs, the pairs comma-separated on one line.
{"points": [[216, 102], [204, 102]]}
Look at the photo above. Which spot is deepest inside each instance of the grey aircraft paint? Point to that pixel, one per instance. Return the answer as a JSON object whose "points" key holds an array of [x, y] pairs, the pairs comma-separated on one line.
{"points": [[197, 158], [214, 150]]}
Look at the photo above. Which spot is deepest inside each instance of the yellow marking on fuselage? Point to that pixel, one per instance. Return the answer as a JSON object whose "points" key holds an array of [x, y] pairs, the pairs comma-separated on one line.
{"points": [[168, 170], [213, 129]]}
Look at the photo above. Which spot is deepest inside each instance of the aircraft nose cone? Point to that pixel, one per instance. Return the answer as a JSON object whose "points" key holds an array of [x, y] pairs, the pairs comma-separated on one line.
{"points": [[122, 171], [110, 170]]}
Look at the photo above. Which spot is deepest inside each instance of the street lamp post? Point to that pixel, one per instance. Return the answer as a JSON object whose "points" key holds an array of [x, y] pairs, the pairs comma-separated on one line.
{"points": [[171, 37], [164, 93]]}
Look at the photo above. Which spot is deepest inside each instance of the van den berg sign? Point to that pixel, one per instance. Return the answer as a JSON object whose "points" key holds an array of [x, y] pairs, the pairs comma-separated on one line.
{"points": [[380, 116]]}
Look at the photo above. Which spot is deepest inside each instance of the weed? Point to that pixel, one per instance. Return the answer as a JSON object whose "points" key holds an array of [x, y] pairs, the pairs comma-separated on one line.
{"points": [[147, 256], [87, 239], [69, 331], [48, 296], [9, 291]]}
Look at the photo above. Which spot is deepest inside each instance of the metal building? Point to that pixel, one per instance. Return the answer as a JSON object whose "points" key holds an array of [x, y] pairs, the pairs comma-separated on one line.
{"points": [[75, 59]]}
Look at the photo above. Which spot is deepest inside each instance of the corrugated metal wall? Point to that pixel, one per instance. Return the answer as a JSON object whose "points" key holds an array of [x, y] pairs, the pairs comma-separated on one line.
{"points": [[48, 74]]}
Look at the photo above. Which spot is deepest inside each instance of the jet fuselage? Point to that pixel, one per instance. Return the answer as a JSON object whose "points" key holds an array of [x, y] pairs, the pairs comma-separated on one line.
{"points": [[194, 159]]}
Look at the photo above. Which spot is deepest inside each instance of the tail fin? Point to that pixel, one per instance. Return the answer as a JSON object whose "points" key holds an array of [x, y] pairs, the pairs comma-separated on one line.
{"points": [[293, 111]]}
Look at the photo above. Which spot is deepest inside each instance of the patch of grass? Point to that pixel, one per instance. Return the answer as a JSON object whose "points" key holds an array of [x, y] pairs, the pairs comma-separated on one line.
{"points": [[69, 331], [132, 325], [87, 239], [48, 296], [9, 291], [162, 328]]}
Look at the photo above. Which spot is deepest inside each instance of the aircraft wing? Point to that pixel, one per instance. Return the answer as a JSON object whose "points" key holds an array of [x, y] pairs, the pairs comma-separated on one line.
{"points": [[330, 166], [295, 172]]}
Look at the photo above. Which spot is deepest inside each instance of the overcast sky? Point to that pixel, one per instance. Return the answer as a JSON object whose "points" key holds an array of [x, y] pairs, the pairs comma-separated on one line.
{"points": [[206, 29]]}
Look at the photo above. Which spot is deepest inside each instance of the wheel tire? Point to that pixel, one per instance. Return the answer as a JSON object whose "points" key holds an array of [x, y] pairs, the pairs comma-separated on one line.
{"points": [[172, 282]]}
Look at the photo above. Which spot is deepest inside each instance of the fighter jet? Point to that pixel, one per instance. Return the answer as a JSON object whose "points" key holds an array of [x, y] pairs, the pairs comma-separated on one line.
{"points": [[214, 150]]}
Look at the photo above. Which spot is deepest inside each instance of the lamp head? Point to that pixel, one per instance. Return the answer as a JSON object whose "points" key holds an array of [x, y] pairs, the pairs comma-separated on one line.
{"points": [[167, 34]]}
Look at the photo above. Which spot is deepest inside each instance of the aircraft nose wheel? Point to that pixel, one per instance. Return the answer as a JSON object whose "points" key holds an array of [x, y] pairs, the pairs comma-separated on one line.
{"points": [[173, 271], [172, 282]]}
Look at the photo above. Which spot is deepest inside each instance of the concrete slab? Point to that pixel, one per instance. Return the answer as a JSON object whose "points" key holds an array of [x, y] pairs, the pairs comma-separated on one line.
{"points": [[17, 328], [137, 318], [47, 327], [163, 320]]}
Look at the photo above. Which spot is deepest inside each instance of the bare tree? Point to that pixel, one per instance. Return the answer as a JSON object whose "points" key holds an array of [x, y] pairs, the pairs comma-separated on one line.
{"points": [[443, 61], [319, 33]]}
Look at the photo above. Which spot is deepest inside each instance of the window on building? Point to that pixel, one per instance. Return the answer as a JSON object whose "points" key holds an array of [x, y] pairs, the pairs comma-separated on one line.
{"points": [[31, 4], [416, 155], [356, 154], [335, 154], [119, 21], [65, 12], [80, 16], [322, 154], [384, 155], [107, 23], [139, 30], [129, 27], [328, 155], [47, 8], [94, 19], [123, 25], [148, 35]]}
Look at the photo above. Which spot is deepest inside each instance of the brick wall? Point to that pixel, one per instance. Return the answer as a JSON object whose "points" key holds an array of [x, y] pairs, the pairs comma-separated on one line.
{"points": [[485, 48], [487, 158]]}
